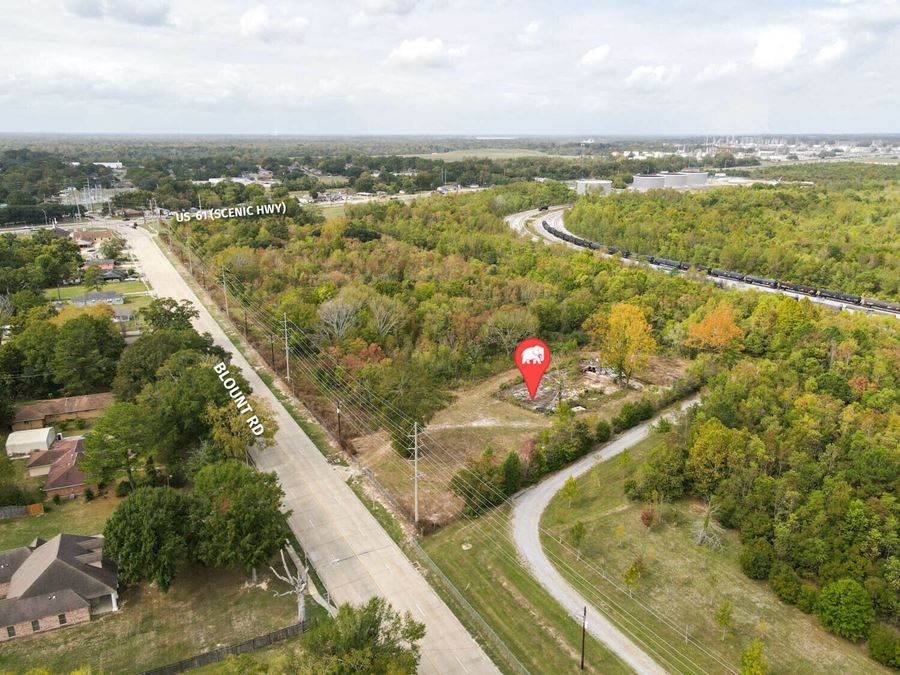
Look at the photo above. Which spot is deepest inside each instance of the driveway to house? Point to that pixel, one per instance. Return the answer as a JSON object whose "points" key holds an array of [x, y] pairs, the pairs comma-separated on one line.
{"points": [[353, 556], [529, 505]]}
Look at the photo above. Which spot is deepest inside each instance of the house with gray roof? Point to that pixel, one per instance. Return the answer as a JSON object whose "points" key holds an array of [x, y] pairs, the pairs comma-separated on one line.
{"points": [[55, 583]]}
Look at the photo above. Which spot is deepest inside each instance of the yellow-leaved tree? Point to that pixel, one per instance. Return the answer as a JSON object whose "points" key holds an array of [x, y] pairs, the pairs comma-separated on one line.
{"points": [[625, 339], [716, 331]]}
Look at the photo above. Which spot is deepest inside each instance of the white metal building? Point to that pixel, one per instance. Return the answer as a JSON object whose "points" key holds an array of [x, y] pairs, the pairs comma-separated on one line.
{"points": [[593, 186], [23, 443], [648, 182]]}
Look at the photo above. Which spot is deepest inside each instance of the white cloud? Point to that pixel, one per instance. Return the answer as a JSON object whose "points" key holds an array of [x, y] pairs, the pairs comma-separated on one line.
{"points": [[649, 78], [425, 52], [376, 7], [530, 38], [142, 13], [715, 71], [832, 52], [595, 57], [776, 47], [258, 24]]}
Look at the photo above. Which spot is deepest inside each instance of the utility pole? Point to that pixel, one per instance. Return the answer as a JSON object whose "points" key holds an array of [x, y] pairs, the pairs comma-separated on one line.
{"points": [[340, 436], [583, 631], [225, 290], [416, 471], [287, 356], [190, 257]]}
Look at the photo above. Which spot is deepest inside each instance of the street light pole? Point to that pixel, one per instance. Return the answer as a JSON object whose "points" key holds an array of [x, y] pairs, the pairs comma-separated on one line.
{"points": [[583, 631]]}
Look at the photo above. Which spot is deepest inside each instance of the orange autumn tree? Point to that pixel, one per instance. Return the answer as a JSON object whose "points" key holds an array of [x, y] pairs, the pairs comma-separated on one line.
{"points": [[717, 331], [625, 339]]}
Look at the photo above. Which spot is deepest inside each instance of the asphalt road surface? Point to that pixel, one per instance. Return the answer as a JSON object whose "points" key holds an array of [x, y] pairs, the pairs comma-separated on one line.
{"points": [[554, 217], [529, 505], [352, 554]]}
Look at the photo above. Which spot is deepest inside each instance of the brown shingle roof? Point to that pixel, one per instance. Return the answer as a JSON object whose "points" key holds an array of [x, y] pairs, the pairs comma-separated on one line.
{"points": [[57, 450], [64, 472], [19, 610], [55, 565], [60, 406], [11, 560]]}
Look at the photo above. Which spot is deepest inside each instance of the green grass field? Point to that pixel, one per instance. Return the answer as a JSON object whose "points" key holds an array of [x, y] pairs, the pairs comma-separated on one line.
{"points": [[69, 292], [204, 609], [684, 583], [332, 211], [74, 517], [481, 562]]}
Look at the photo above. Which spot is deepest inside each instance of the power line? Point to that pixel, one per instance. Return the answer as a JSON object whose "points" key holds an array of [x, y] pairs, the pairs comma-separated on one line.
{"points": [[319, 379]]}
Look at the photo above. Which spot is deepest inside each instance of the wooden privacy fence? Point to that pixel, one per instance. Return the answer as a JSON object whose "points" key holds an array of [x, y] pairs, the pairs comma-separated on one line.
{"points": [[12, 512], [220, 654]]}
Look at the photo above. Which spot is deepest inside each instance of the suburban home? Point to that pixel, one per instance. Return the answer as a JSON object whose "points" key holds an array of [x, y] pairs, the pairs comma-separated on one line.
{"points": [[55, 583], [86, 238], [44, 413], [114, 275], [22, 443], [97, 298], [40, 461], [123, 314], [102, 263], [65, 478]]}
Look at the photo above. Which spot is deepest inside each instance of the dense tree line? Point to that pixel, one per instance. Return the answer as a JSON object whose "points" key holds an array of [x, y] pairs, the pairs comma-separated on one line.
{"points": [[36, 262], [799, 449], [844, 240], [28, 177]]}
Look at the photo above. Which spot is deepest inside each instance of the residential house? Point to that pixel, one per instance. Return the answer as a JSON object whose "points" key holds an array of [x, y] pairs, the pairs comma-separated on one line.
{"points": [[23, 443], [114, 275], [65, 478], [87, 238], [51, 584], [44, 413], [98, 298], [102, 263], [123, 314]]}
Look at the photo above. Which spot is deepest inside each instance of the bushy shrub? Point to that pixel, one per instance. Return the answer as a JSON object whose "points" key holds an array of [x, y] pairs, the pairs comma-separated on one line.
{"points": [[807, 598], [123, 489], [756, 558], [785, 582], [632, 413], [88, 495], [602, 432], [845, 608], [12, 494], [884, 645], [57, 500]]}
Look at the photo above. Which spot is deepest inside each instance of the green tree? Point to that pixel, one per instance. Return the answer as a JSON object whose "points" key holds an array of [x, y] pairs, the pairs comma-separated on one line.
{"points": [[845, 608], [511, 469], [168, 313], [85, 354], [576, 536], [632, 575], [625, 339], [117, 443], [112, 248], [237, 515], [230, 433], [141, 360], [752, 660], [724, 616], [373, 638], [147, 535], [569, 491], [884, 645], [92, 278]]}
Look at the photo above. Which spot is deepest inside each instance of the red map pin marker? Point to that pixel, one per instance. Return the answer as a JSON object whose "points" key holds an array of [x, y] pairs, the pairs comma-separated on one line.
{"points": [[532, 359]]}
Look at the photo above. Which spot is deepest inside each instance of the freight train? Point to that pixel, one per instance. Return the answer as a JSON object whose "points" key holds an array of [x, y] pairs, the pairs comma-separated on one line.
{"points": [[847, 298]]}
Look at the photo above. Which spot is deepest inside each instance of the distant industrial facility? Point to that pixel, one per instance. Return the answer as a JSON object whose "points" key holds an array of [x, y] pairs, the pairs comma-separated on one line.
{"points": [[658, 181], [593, 186]]}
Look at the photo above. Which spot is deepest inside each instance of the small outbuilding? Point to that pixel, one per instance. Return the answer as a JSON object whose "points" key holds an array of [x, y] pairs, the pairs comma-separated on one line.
{"points": [[22, 443]]}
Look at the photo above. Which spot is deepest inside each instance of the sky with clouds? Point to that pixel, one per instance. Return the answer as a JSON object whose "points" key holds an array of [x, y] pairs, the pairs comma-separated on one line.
{"points": [[451, 66]]}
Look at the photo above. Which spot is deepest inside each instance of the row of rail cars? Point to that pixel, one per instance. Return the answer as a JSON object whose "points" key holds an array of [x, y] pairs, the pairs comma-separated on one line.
{"points": [[839, 296]]}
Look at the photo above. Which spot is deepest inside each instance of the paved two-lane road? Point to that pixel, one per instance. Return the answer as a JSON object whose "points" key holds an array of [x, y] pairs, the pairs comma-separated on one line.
{"points": [[352, 554]]}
